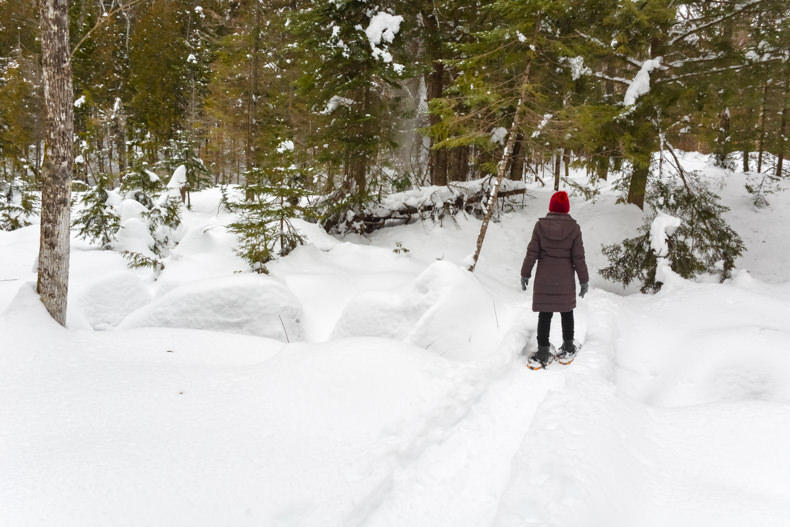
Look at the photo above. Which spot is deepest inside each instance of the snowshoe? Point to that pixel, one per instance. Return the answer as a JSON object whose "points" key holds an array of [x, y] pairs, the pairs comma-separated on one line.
{"points": [[567, 352], [541, 358]]}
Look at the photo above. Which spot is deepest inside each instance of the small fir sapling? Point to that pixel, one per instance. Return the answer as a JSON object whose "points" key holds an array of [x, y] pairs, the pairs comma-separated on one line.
{"points": [[142, 185], [97, 221], [163, 216], [181, 151], [274, 197], [18, 202]]}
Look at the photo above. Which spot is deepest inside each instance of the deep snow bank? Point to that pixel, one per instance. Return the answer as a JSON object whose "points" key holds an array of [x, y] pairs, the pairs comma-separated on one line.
{"points": [[247, 304], [445, 310], [179, 427]]}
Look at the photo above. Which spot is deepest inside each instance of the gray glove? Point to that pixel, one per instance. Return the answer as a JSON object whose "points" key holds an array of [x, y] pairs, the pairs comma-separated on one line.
{"points": [[583, 290], [524, 282]]}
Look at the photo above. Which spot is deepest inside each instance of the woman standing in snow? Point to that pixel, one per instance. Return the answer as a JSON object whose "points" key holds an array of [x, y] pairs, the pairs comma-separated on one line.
{"points": [[557, 247]]}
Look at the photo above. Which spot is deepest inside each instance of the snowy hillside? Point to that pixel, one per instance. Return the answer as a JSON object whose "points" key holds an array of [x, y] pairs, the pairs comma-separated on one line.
{"points": [[360, 386]]}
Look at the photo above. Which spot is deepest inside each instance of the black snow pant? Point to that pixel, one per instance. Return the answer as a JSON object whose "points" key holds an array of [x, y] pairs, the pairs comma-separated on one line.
{"points": [[544, 327]]}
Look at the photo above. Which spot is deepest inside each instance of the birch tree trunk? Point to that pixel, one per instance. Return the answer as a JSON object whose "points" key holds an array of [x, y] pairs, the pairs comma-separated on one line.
{"points": [[53, 258], [503, 162]]}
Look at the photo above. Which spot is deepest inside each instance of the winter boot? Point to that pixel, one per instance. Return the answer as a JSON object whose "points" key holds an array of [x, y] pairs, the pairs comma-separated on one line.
{"points": [[541, 358], [567, 352]]}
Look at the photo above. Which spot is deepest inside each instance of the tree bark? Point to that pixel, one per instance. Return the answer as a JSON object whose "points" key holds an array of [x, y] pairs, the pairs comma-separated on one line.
{"points": [[434, 84], [253, 85], [438, 156], [782, 132], [638, 184], [761, 141], [557, 164], [53, 260], [458, 163], [519, 159]]}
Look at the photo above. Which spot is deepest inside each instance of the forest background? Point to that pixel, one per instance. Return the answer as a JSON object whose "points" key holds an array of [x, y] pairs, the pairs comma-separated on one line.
{"points": [[353, 100]]}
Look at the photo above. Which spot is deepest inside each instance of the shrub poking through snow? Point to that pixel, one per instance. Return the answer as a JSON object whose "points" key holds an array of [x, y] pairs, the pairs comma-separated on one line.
{"points": [[17, 203], [137, 260], [97, 220], [139, 220], [400, 249], [686, 229], [274, 197], [181, 151], [142, 185], [162, 218]]}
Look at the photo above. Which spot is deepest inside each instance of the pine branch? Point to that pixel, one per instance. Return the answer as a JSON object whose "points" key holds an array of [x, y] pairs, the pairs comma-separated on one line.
{"points": [[713, 22], [103, 20]]}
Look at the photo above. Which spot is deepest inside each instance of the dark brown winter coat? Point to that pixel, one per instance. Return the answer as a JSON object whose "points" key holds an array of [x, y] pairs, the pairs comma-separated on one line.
{"points": [[557, 247]]}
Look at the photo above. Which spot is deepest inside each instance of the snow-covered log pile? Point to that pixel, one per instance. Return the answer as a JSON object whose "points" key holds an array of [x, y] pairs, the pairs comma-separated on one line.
{"points": [[432, 202]]}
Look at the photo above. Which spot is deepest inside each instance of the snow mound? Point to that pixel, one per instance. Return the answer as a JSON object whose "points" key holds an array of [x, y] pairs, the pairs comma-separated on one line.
{"points": [[247, 304], [134, 236], [108, 301], [727, 345], [443, 296]]}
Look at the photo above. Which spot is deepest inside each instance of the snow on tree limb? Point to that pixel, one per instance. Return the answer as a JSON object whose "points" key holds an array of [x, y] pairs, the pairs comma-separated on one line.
{"points": [[700, 27], [641, 83]]}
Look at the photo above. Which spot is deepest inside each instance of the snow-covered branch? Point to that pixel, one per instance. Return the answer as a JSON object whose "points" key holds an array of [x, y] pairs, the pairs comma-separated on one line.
{"points": [[713, 22], [600, 44]]}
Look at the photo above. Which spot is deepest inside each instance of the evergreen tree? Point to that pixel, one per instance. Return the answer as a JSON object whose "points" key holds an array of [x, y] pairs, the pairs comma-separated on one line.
{"points": [[101, 72], [274, 197], [142, 185], [21, 94], [18, 201], [181, 151], [159, 72], [662, 62], [21, 117], [351, 85], [702, 243], [97, 221]]}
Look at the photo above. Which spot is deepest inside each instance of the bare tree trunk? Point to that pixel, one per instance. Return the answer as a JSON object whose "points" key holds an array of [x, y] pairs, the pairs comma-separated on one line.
{"points": [[557, 166], [602, 164], [253, 86], [638, 184], [438, 157], [761, 141], [503, 163], [519, 159], [458, 163], [782, 131], [53, 258]]}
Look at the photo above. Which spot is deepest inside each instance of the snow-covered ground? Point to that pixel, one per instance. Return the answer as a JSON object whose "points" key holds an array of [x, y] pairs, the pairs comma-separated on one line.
{"points": [[357, 386]]}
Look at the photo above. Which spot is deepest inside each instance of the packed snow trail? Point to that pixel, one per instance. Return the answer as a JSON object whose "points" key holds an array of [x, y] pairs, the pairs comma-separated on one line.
{"points": [[458, 481], [595, 456]]}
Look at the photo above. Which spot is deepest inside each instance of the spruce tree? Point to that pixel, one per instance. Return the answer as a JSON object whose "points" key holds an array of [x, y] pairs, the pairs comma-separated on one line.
{"points": [[18, 201], [702, 243], [182, 150], [97, 221], [350, 83], [274, 197]]}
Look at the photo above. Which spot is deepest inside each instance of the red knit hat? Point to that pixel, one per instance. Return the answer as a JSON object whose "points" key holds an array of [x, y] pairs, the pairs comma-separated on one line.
{"points": [[559, 202]]}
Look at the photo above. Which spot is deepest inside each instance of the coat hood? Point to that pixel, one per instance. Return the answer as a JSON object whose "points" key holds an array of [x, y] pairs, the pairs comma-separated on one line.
{"points": [[557, 226]]}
